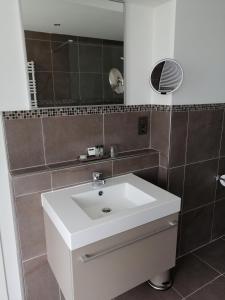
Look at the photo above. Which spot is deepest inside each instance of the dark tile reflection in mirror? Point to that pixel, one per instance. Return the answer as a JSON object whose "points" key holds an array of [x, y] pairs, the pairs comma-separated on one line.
{"points": [[40, 52], [112, 57], [65, 57], [91, 88], [66, 88], [90, 58], [45, 91], [73, 70]]}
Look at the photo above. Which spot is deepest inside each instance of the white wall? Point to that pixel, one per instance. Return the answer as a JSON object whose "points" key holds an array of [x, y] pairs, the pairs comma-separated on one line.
{"points": [[7, 226], [200, 48], [138, 53], [164, 16], [13, 95], [13, 76], [149, 37]]}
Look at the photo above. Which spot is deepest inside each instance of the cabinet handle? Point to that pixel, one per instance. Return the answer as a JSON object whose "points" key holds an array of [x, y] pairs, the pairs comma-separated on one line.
{"points": [[88, 257]]}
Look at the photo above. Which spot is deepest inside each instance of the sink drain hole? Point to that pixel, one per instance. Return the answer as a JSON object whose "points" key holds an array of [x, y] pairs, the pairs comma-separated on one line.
{"points": [[106, 210]]}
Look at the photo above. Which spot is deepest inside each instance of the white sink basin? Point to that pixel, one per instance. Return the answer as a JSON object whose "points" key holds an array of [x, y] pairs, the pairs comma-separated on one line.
{"points": [[110, 200], [83, 214]]}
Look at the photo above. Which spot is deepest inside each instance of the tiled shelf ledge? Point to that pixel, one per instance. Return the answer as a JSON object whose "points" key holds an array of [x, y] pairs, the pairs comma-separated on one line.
{"points": [[50, 177]]}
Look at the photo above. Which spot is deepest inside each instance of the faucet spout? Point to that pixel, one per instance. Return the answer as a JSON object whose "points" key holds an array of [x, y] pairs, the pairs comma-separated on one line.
{"points": [[97, 179]]}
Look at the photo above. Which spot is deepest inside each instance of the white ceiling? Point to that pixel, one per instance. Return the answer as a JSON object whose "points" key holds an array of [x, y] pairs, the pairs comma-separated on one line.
{"points": [[90, 18]]}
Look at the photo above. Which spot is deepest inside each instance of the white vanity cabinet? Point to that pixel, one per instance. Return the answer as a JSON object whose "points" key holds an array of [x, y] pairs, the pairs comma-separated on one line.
{"points": [[102, 241], [110, 267]]}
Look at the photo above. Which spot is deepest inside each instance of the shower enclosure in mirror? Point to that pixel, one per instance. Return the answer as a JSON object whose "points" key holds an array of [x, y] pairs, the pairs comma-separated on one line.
{"points": [[74, 45]]}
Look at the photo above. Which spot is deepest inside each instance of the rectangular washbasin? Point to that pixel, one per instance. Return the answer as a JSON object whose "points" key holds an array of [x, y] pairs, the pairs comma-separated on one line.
{"points": [[110, 200], [85, 214]]}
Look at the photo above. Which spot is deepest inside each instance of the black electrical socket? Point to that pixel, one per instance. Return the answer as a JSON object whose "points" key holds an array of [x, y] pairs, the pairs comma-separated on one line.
{"points": [[142, 125]]}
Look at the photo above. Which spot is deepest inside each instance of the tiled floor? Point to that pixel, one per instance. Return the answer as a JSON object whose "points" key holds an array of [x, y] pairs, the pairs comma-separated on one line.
{"points": [[198, 276]]}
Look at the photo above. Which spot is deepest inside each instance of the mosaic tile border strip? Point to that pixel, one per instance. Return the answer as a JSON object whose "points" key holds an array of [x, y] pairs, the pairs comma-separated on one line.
{"points": [[104, 109]]}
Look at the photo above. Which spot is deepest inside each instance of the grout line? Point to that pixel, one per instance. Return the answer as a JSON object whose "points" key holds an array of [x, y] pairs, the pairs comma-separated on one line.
{"points": [[31, 193], [102, 73], [34, 257], [193, 163], [43, 141], [52, 71], [78, 65], [176, 291], [198, 248], [206, 263], [196, 208], [200, 288]]}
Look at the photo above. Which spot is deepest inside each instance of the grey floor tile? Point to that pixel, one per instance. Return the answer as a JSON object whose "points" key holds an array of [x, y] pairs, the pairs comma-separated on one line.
{"points": [[213, 291], [191, 274], [214, 255], [145, 292]]}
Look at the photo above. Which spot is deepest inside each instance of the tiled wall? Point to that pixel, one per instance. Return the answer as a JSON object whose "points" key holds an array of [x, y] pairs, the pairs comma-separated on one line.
{"points": [[73, 74], [192, 150], [40, 153]]}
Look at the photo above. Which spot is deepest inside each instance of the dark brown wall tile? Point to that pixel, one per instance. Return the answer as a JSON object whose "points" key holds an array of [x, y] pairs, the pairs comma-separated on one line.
{"points": [[204, 135], [68, 137], [30, 222], [163, 178], [160, 130], [73, 176], [32, 183], [45, 93], [200, 184], [176, 180], [25, 143], [89, 41], [121, 129], [219, 220], [39, 52], [66, 87], [127, 165], [91, 88], [37, 35], [196, 228], [62, 37], [39, 280], [90, 58], [178, 138], [65, 57], [112, 58], [150, 175]]}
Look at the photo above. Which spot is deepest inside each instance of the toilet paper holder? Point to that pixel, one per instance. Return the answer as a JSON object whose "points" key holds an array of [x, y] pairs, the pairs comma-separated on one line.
{"points": [[221, 179]]}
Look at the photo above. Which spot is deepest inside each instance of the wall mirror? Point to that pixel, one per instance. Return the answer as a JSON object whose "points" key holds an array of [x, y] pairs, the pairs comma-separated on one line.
{"points": [[166, 76], [72, 45]]}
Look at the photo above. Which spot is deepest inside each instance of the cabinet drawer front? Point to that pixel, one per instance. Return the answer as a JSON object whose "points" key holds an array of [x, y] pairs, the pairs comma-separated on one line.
{"points": [[105, 274]]}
